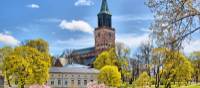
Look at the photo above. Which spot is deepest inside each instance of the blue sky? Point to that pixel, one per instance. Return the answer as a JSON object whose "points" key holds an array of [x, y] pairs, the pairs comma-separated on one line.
{"points": [[69, 24]]}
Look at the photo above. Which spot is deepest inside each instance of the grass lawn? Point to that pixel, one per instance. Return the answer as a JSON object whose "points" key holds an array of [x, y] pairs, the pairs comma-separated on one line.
{"points": [[192, 86], [174, 86]]}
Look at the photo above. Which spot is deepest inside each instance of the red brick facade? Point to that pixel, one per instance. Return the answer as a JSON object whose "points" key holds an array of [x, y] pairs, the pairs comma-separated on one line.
{"points": [[104, 38]]}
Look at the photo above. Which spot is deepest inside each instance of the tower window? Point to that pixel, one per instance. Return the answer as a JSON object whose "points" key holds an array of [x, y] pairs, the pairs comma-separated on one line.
{"points": [[110, 35], [98, 34]]}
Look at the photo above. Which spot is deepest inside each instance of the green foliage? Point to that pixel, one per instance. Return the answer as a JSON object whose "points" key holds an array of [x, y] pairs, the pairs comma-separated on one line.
{"points": [[39, 44], [105, 58], [111, 58], [143, 80], [26, 65], [153, 80], [4, 52], [122, 64], [110, 76], [195, 59], [126, 85], [176, 67]]}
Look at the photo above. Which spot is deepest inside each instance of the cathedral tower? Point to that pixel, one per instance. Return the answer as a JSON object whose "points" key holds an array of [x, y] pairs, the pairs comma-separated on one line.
{"points": [[104, 33]]}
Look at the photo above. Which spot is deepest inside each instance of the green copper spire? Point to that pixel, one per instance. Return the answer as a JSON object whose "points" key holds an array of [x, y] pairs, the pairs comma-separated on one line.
{"points": [[104, 7], [104, 16]]}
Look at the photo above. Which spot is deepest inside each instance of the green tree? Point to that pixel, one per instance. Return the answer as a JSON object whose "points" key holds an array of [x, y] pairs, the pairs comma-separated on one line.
{"points": [[158, 56], [122, 55], [26, 66], [195, 59], [39, 44], [143, 80], [176, 67], [110, 76], [105, 58], [5, 52]]}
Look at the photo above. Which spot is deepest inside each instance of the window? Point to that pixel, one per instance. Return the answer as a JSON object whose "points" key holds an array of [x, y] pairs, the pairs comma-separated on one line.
{"points": [[79, 82], [72, 82], [65, 82], [110, 35], [99, 34], [52, 82], [85, 82], [59, 82], [59, 75]]}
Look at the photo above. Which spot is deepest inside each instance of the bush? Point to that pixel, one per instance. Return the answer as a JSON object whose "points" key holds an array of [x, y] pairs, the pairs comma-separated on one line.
{"points": [[126, 85], [143, 80], [110, 76]]}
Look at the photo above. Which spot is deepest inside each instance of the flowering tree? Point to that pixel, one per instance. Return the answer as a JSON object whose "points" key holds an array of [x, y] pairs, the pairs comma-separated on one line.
{"points": [[39, 86], [95, 85], [110, 76]]}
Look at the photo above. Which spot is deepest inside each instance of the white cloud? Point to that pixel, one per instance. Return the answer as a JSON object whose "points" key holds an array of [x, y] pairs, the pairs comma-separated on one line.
{"points": [[76, 25], [8, 40], [194, 45], [132, 18], [133, 41], [34, 6], [5, 31], [146, 30], [84, 3]]}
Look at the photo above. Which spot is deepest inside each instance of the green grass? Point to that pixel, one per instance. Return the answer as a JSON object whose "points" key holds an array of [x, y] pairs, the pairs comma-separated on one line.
{"points": [[193, 86], [175, 86]]}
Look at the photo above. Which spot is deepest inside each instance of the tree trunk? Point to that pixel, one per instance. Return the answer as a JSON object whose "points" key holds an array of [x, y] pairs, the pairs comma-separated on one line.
{"points": [[168, 85], [7, 78], [197, 79], [9, 83], [157, 85]]}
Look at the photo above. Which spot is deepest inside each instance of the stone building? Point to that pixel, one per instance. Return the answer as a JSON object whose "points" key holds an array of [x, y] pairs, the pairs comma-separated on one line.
{"points": [[72, 76], [104, 36]]}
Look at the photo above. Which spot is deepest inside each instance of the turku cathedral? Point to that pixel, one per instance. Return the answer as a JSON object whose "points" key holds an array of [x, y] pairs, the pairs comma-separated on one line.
{"points": [[104, 35]]}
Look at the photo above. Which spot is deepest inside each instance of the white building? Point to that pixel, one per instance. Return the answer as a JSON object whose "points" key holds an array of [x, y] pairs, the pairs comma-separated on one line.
{"points": [[72, 76]]}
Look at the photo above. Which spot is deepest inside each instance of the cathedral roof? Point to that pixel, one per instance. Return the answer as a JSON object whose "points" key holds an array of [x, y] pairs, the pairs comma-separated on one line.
{"points": [[104, 7], [84, 51], [89, 60]]}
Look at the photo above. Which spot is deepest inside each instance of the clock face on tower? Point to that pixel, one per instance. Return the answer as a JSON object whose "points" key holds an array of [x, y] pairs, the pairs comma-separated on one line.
{"points": [[104, 33]]}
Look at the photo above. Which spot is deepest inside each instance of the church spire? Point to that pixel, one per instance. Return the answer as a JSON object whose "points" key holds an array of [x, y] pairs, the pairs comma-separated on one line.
{"points": [[104, 7], [104, 16]]}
